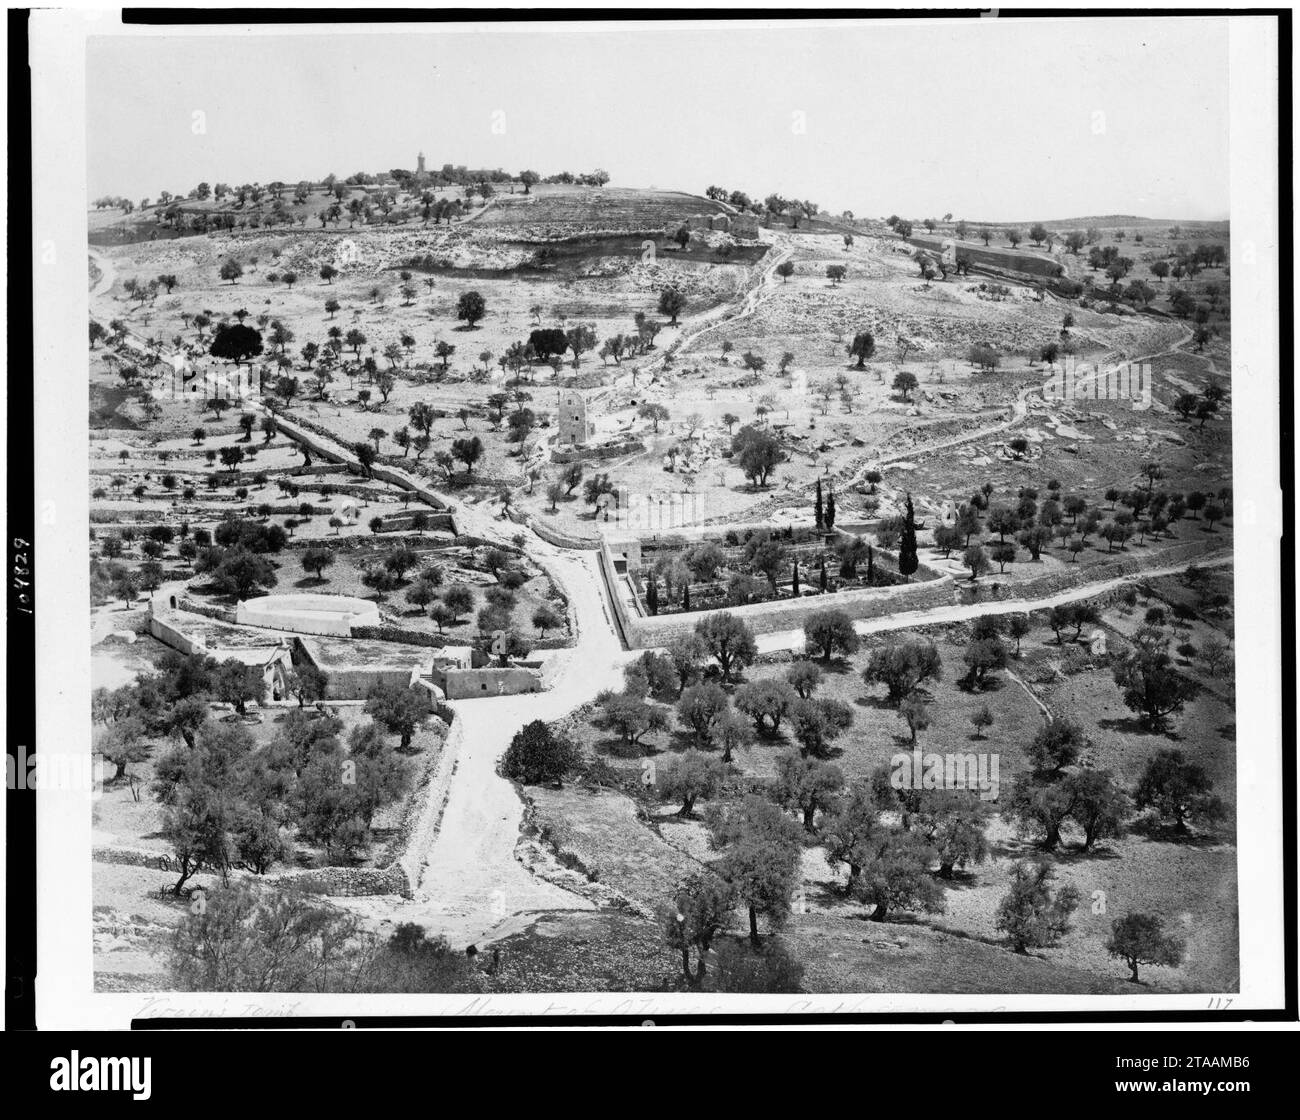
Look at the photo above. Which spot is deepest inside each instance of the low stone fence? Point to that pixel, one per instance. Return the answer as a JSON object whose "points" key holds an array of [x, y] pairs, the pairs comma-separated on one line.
{"points": [[193, 606], [1044, 586], [439, 522], [401, 635], [346, 882], [338, 881], [424, 818], [542, 859], [135, 857], [600, 451], [320, 440], [559, 538]]}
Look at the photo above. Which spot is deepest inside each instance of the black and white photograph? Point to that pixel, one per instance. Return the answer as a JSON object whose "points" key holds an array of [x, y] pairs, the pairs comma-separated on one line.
{"points": [[765, 514]]}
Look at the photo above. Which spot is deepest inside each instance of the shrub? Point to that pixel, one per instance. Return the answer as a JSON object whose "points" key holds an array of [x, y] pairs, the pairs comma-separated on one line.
{"points": [[538, 756]]}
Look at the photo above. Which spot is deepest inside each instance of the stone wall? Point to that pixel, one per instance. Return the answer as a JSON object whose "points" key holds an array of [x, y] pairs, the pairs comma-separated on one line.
{"points": [[337, 881], [172, 635], [467, 684], [135, 857], [320, 441], [439, 522], [559, 538], [349, 682], [347, 882], [601, 451], [994, 589], [648, 632], [428, 803], [400, 634], [337, 624]]}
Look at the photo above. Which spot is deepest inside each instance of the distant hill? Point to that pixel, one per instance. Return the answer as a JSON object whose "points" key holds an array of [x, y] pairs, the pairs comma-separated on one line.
{"points": [[1109, 221]]}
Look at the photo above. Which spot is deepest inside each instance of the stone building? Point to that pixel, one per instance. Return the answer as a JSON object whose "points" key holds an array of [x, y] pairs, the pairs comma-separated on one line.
{"points": [[571, 419]]}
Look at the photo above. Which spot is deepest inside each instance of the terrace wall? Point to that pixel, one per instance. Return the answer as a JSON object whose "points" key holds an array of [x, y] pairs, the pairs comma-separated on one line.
{"points": [[348, 882], [337, 881], [600, 451], [993, 588], [1003, 260], [423, 820]]}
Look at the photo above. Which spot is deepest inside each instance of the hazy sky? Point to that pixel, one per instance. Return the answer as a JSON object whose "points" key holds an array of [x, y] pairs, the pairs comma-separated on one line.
{"points": [[989, 119]]}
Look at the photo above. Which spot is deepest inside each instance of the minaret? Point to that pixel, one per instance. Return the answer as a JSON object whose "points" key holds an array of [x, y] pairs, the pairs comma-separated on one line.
{"points": [[419, 166]]}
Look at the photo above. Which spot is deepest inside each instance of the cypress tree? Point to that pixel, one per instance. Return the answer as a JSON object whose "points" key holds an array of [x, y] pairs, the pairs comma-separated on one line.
{"points": [[686, 597], [830, 510], [652, 596], [907, 558], [817, 507], [794, 581], [822, 577]]}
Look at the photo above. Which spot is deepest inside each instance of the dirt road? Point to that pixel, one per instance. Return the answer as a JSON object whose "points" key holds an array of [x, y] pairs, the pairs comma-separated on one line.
{"points": [[472, 886], [964, 612]]}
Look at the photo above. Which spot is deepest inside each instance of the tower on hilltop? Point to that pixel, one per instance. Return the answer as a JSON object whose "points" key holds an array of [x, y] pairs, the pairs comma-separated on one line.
{"points": [[420, 172]]}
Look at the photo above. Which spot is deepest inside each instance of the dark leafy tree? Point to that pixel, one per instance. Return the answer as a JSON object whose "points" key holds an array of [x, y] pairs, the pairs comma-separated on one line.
{"points": [[1178, 791], [729, 641], [903, 665], [806, 786], [830, 632], [897, 876], [1139, 939], [1031, 913], [761, 848], [692, 921], [689, 777]]}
